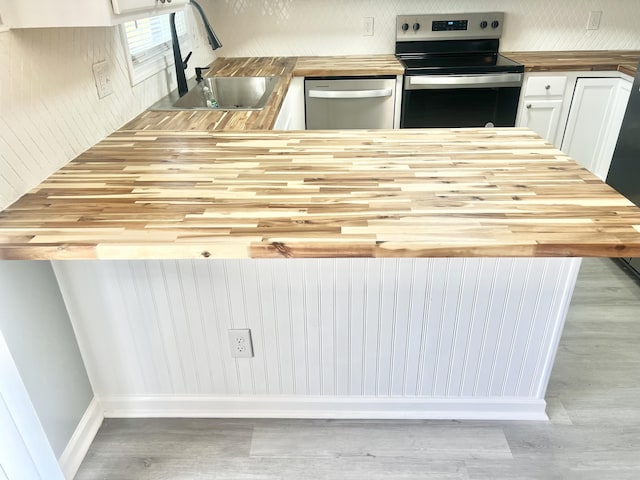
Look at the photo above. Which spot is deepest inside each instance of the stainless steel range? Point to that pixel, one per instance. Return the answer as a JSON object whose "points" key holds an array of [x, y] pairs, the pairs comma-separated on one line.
{"points": [[454, 75]]}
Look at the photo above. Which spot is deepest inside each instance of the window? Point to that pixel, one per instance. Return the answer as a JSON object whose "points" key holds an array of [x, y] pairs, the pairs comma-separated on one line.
{"points": [[3, 28], [148, 44]]}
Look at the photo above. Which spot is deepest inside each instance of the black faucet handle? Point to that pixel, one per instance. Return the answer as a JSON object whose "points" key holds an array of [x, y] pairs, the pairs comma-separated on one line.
{"points": [[186, 60], [199, 71]]}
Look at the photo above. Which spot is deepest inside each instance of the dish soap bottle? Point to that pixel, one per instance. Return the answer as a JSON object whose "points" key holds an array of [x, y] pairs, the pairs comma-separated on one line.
{"points": [[208, 97]]}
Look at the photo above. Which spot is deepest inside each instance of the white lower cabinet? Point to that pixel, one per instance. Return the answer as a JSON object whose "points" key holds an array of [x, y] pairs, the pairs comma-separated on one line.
{"points": [[595, 117], [291, 115], [543, 117], [543, 105]]}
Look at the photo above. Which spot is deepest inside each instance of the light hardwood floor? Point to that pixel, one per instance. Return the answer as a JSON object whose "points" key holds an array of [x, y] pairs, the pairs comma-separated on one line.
{"points": [[593, 402]]}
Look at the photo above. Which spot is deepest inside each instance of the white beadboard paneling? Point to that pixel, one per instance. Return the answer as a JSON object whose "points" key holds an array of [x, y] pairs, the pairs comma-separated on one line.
{"points": [[333, 27], [49, 107], [383, 328]]}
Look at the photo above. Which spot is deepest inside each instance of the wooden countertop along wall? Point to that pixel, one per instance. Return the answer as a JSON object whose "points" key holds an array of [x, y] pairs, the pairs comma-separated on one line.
{"points": [[208, 120], [354, 65], [625, 61], [285, 67], [419, 193], [348, 66]]}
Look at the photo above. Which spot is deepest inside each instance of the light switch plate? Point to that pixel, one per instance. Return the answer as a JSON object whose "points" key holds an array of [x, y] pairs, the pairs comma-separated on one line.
{"points": [[102, 78]]}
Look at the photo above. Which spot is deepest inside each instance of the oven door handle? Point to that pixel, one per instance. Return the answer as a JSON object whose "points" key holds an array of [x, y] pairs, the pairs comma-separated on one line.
{"points": [[387, 92], [423, 82]]}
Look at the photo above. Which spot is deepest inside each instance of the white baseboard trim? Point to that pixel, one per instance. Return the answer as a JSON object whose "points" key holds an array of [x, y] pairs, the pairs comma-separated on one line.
{"points": [[206, 406], [81, 439]]}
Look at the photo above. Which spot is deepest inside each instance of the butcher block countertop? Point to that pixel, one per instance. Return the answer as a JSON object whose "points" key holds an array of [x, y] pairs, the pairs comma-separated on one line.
{"points": [[625, 61], [285, 68], [354, 65], [204, 120], [418, 193], [350, 66]]}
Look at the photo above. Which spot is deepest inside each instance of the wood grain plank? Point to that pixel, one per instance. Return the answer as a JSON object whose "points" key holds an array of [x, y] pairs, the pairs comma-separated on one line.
{"points": [[625, 61]]}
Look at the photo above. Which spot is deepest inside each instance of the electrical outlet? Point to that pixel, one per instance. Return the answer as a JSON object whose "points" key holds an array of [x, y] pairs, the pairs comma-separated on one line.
{"points": [[594, 20], [103, 81], [367, 26], [240, 343]]}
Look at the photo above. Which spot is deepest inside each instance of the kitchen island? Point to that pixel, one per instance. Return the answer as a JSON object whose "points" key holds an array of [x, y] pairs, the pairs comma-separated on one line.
{"points": [[384, 274]]}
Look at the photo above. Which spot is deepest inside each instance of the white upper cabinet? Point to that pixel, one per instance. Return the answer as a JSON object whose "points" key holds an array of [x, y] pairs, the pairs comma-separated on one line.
{"points": [[81, 13], [129, 6]]}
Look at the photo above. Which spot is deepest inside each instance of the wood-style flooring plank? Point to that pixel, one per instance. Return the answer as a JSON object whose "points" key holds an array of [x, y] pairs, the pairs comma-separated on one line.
{"points": [[419, 440]]}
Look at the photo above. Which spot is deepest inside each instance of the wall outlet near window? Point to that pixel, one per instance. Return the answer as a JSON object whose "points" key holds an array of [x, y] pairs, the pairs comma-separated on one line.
{"points": [[102, 78], [367, 26], [240, 343], [594, 20]]}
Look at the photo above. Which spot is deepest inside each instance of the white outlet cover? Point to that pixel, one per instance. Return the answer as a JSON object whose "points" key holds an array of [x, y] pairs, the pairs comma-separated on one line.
{"points": [[102, 79], [240, 343]]}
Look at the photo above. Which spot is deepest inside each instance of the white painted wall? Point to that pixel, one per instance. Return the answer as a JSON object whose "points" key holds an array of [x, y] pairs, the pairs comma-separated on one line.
{"points": [[370, 330], [328, 27], [36, 327], [49, 107], [25, 452]]}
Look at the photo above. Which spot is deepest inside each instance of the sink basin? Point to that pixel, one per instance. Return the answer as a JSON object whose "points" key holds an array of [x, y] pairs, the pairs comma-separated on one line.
{"points": [[230, 93]]}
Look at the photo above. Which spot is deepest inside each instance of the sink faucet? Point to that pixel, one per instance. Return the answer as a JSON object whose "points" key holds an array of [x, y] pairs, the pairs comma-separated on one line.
{"points": [[180, 64], [199, 71]]}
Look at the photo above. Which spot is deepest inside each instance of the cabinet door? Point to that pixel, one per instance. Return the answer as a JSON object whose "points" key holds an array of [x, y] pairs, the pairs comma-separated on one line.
{"points": [[612, 129], [291, 116], [129, 6], [594, 122], [543, 117]]}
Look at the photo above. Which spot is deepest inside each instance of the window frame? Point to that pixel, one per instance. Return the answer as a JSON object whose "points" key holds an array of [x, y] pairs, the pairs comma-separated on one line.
{"points": [[160, 56], [3, 27]]}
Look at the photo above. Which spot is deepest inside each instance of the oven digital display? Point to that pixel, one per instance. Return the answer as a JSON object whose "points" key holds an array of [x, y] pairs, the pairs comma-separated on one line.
{"points": [[442, 25]]}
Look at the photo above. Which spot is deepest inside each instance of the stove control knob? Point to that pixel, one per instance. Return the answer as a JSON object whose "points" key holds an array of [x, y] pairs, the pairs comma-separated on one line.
{"points": [[495, 24], [405, 27], [416, 27], [483, 24]]}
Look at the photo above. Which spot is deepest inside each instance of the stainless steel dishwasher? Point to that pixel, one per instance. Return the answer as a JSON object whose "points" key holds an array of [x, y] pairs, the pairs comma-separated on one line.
{"points": [[340, 103]]}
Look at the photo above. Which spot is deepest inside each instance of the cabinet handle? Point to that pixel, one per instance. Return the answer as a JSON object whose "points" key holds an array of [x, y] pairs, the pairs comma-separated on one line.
{"points": [[547, 87], [387, 92], [528, 105]]}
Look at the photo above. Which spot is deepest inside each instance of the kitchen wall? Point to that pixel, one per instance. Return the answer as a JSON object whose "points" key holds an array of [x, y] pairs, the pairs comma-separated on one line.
{"points": [[49, 108], [36, 327], [314, 27], [50, 111]]}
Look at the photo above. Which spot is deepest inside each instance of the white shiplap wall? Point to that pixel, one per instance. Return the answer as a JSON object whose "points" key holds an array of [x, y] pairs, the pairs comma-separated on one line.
{"points": [[49, 107], [329, 27], [473, 329]]}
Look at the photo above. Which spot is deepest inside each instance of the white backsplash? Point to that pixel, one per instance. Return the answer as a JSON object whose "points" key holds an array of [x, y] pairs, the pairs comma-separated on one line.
{"points": [[49, 107], [312, 27]]}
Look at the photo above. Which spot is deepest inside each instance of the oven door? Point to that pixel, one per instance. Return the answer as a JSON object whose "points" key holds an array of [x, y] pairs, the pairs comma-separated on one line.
{"points": [[460, 100]]}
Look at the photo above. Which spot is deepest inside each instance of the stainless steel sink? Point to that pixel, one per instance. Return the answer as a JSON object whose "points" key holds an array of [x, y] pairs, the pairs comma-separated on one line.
{"points": [[227, 93]]}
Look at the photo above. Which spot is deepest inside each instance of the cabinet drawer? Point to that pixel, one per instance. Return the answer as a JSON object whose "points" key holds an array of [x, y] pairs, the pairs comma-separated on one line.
{"points": [[545, 86]]}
